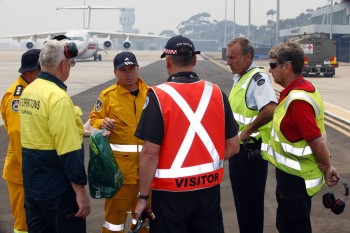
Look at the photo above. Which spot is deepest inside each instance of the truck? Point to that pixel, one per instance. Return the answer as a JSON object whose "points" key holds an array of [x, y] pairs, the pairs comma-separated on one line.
{"points": [[320, 55]]}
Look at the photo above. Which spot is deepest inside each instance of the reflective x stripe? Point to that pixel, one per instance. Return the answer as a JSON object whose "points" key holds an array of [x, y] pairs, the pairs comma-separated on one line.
{"points": [[243, 120], [113, 227], [291, 149], [280, 158], [126, 148], [195, 127]]}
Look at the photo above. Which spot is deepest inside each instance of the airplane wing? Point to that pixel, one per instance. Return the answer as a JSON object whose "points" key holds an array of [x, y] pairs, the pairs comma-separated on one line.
{"points": [[109, 36], [104, 34], [34, 36]]}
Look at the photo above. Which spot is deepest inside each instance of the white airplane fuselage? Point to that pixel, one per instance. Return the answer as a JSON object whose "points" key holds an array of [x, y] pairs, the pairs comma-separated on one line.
{"points": [[87, 46]]}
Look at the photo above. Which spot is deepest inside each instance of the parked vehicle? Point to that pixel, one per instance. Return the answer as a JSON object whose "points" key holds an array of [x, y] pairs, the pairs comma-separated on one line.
{"points": [[320, 55]]}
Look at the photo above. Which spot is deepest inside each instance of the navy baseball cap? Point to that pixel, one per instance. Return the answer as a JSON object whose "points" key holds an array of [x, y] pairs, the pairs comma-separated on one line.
{"points": [[124, 59], [175, 43], [29, 61]]}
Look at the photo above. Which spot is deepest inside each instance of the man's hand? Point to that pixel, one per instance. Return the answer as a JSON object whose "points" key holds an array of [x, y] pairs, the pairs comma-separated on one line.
{"points": [[82, 200], [331, 176], [108, 124], [83, 204], [140, 207]]}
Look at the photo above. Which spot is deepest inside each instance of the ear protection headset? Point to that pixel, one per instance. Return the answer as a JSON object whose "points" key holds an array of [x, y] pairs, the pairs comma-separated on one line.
{"points": [[70, 50], [252, 154], [336, 205]]}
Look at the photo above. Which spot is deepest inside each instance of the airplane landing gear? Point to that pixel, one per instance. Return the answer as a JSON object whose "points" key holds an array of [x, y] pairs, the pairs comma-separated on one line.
{"points": [[97, 57]]}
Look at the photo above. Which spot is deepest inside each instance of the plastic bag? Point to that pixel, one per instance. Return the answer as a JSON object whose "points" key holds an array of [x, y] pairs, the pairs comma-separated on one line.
{"points": [[104, 176]]}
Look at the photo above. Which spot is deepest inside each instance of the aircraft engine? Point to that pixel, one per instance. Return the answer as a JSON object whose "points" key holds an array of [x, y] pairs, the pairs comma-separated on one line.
{"points": [[127, 44], [30, 44], [107, 44]]}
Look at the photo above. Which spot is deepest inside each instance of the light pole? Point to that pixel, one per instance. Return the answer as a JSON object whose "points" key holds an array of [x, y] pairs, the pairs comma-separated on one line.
{"points": [[84, 24], [225, 22], [331, 22], [277, 21], [234, 19], [249, 14]]}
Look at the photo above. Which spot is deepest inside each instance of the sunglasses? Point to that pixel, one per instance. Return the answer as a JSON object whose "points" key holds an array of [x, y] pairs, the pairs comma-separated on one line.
{"points": [[273, 65]]}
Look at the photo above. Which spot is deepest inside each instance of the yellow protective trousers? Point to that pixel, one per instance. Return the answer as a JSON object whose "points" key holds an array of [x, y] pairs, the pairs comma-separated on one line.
{"points": [[16, 193], [118, 207]]}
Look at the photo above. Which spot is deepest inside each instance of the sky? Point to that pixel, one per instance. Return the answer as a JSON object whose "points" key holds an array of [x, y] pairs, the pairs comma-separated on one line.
{"points": [[30, 16]]}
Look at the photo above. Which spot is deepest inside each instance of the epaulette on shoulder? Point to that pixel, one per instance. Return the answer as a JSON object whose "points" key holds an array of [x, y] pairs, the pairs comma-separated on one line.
{"points": [[108, 89], [18, 90], [257, 76]]}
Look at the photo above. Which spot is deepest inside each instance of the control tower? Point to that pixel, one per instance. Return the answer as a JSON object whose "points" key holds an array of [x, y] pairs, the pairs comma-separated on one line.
{"points": [[127, 20]]}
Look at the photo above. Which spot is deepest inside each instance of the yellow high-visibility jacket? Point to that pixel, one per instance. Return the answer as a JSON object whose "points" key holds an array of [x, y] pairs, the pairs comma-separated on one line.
{"points": [[9, 111], [119, 104]]}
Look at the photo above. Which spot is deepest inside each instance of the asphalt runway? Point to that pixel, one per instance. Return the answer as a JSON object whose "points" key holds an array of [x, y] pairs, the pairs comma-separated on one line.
{"points": [[88, 78]]}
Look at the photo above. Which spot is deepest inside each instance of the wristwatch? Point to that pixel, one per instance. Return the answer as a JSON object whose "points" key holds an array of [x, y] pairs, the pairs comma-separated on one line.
{"points": [[144, 197]]}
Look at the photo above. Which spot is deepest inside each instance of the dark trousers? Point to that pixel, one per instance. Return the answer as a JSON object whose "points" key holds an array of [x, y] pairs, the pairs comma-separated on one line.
{"points": [[54, 215], [248, 181], [294, 204], [187, 212]]}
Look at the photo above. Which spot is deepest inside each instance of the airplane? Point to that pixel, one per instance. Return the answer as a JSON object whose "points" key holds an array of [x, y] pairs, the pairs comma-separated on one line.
{"points": [[88, 45]]}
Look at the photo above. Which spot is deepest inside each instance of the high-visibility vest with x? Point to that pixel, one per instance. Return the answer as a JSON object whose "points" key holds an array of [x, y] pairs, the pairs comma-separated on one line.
{"points": [[192, 151]]}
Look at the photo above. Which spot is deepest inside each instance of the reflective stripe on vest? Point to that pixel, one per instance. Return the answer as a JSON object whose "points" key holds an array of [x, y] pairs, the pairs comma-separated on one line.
{"points": [[176, 170], [126, 148], [292, 164], [291, 149], [242, 119], [189, 171], [113, 227]]}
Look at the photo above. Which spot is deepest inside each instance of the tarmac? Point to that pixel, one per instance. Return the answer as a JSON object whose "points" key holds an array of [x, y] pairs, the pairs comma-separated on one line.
{"points": [[88, 78]]}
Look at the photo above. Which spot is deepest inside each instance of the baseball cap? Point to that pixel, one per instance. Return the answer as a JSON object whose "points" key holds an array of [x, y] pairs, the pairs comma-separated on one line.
{"points": [[124, 59], [175, 43], [29, 61]]}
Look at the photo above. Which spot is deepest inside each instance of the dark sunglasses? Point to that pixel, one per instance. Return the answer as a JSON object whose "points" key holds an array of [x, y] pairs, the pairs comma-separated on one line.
{"points": [[273, 65]]}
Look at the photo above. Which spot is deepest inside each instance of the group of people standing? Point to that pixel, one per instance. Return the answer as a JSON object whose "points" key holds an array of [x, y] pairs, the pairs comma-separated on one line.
{"points": [[170, 142]]}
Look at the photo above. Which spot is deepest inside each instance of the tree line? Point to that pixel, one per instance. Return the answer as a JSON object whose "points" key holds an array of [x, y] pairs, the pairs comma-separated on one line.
{"points": [[201, 26]]}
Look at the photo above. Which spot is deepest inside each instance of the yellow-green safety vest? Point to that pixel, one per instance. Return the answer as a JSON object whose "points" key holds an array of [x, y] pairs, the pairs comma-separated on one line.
{"points": [[242, 114], [296, 158]]}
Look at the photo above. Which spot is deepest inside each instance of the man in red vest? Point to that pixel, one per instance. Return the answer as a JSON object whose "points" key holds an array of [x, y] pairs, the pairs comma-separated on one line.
{"points": [[188, 131]]}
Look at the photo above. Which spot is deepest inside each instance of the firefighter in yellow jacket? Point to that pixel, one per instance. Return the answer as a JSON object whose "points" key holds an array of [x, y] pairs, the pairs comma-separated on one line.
{"points": [[118, 110], [12, 172]]}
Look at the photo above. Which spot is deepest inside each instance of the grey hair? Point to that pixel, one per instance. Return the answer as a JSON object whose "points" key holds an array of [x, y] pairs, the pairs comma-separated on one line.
{"points": [[245, 45], [52, 53]]}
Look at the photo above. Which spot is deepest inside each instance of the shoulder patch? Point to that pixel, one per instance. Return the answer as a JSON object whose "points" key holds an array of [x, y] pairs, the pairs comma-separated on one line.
{"points": [[18, 90], [15, 105], [261, 82], [98, 105], [257, 76], [146, 103]]}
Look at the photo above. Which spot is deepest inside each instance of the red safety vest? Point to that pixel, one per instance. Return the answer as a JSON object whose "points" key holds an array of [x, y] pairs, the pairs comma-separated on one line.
{"points": [[192, 152]]}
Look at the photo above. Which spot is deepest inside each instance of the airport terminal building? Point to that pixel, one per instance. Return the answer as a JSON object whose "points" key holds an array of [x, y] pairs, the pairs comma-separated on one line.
{"points": [[337, 28]]}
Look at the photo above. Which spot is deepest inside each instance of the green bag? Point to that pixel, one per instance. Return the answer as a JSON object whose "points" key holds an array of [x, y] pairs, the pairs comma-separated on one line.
{"points": [[104, 176]]}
